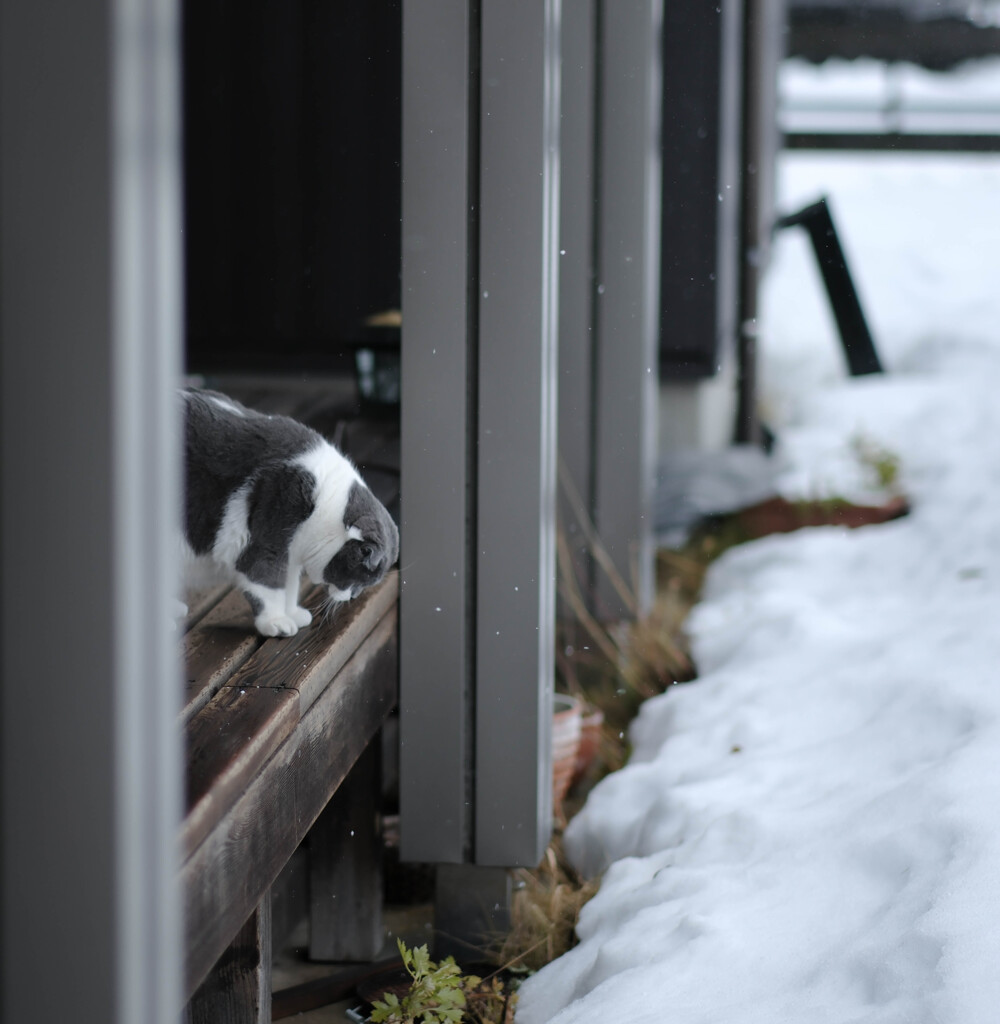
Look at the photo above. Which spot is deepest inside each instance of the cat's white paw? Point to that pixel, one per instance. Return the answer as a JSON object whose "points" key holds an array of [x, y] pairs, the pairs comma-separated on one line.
{"points": [[178, 612], [275, 625], [300, 616]]}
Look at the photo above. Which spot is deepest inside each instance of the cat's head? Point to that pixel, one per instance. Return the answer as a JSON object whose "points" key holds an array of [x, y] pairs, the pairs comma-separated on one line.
{"points": [[371, 548]]}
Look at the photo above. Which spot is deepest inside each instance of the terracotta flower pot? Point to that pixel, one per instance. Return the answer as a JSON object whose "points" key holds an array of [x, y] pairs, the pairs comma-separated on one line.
{"points": [[591, 721], [566, 716]]}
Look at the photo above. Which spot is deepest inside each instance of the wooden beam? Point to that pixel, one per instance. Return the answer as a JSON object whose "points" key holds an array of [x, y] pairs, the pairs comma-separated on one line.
{"points": [[238, 991], [250, 694], [345, 867], [215, 648], [231, 871], [228, 742], [290, 898], [200, 602], [308, 661]]}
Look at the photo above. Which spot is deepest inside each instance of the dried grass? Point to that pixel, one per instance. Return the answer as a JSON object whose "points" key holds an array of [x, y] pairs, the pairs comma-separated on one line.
{"points": [[614, 667], [545, 908]]}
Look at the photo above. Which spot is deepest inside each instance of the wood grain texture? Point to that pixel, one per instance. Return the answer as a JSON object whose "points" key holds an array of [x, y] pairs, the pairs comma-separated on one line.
{"points": [[290, 897], [332, 988], [200, 602], [345, 867], [309, 660], [232, 869], [245, 694], [227, 743], [238, 991], [215, 648]]}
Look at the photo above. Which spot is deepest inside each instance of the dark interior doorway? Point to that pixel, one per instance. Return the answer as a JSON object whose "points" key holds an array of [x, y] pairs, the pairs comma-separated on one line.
{"points": [[291, 122]]}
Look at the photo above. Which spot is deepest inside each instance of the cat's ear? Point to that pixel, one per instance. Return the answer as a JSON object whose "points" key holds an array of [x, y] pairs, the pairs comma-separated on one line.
{"points": [[362, 508], [370, 517]]}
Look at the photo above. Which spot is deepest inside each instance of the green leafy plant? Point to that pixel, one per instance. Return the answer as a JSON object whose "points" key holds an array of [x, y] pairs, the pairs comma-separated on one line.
{"points": [[881, 463], [437, 994]]}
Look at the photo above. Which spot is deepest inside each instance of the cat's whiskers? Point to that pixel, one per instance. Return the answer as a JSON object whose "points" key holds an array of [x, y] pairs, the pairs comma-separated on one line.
{"points": [[329, 606]]}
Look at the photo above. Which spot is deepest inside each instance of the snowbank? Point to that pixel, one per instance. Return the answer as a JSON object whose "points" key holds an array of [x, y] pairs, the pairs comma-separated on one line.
{"points": [[810, 832]]}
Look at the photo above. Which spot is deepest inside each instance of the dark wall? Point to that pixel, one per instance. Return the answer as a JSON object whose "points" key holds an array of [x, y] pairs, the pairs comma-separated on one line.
{"points": [[292, 179], [702, 59], [939, 34]]}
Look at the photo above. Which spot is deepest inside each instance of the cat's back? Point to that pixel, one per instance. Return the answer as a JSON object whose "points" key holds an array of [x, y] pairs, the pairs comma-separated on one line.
{"points": [[229, 440], [225, 446]]}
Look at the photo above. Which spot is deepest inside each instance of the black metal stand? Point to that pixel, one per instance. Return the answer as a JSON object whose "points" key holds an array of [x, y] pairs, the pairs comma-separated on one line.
{"points": [[859, 348]]}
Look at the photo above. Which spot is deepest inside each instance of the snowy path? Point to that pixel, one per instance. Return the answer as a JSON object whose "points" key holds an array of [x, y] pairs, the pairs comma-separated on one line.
{"points": [[811, 832]]}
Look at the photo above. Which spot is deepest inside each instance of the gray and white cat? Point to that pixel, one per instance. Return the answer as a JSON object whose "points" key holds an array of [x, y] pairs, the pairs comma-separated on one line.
{"points": [[266, 499]]}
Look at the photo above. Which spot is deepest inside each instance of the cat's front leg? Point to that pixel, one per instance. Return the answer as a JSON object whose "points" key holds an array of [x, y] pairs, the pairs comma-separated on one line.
{"points": [[268, 605], [299, 615]]}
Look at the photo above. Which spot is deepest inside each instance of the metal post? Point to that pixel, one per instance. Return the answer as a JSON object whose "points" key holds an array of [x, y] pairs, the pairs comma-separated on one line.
{"points": [[627, 314], [90, 343], [518, 318], [440, 210], [761, 53], [480, 311], [576, 269]]}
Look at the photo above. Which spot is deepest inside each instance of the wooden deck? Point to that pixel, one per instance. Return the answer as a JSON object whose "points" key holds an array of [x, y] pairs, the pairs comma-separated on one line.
{"points": [[272, 729]]}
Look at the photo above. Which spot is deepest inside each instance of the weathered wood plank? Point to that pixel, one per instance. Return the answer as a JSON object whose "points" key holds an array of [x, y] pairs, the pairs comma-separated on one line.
{"points": [[227, 742], [345, 867], [232, 726], [238, 990], [309, 660], [215, 649], [290, 897], [232, 869], [200, 602], [331, 988]]}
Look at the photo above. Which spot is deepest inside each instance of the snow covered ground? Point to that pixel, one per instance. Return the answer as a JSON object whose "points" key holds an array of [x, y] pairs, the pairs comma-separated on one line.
{"points": [[811, 831]]}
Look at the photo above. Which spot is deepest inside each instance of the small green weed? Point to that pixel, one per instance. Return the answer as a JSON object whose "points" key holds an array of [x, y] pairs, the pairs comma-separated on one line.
{"points": [[441, 994], [437, 995], [881, 463]]}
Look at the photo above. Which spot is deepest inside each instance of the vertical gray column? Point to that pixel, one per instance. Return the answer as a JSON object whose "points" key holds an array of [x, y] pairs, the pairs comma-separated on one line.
{"points": [[576, 266], [627, 292], [518, 318], [762, 51], [89, 341], [147, 330], [438, 405]]}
